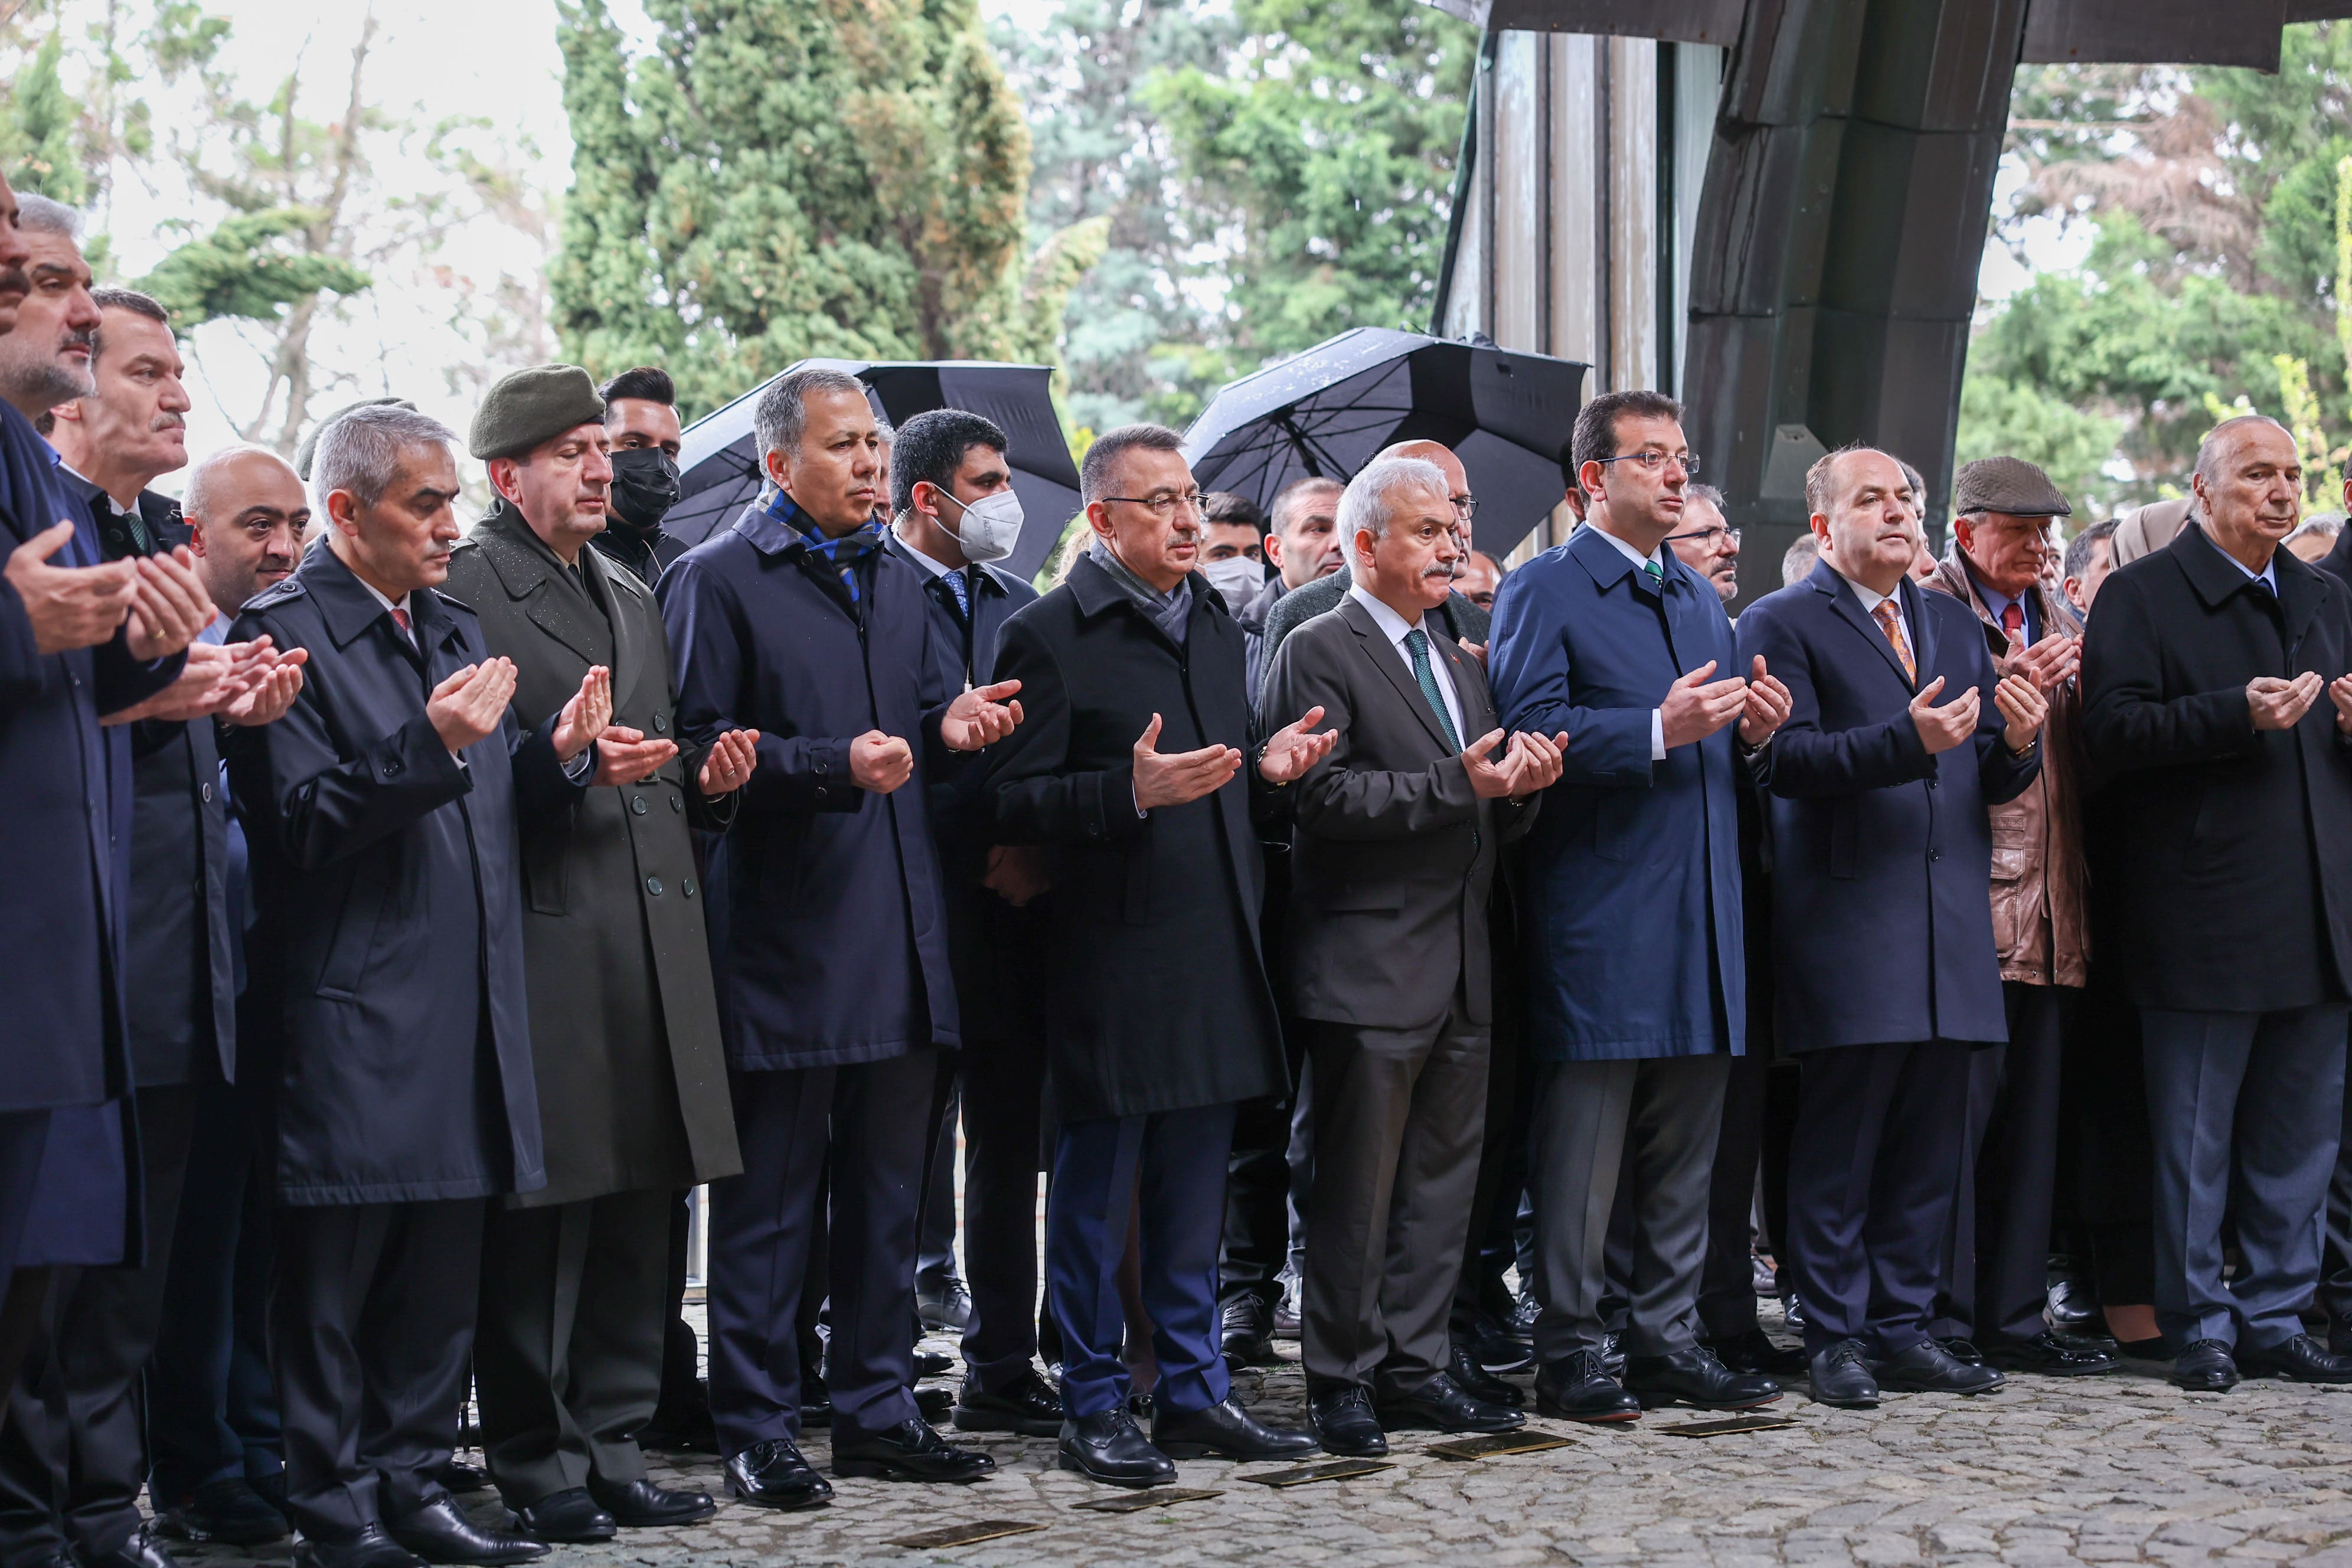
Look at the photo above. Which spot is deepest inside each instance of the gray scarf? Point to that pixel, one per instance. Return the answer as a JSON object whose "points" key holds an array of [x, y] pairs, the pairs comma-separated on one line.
{"points": [[1171, 612]]}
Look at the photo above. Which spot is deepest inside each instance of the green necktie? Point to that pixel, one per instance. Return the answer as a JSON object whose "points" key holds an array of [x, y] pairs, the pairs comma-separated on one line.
{"points": [[1657, 575], [1417, 644]]}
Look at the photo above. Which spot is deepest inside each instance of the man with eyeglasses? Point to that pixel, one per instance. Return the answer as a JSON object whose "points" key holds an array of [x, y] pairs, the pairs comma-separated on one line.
{"points": [[1707, 543], [1637, 995]]}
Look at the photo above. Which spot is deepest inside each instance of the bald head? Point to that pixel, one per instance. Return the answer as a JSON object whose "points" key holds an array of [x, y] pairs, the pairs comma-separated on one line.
{"points": [[247, 511], [1458, 479]]}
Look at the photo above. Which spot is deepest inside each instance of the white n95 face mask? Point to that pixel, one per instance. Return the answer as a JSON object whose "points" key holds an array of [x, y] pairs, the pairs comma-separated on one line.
{"points": [[989, 526], [1237, 577]]}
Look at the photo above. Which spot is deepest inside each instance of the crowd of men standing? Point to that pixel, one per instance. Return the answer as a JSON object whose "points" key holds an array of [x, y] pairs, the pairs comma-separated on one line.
{"points": [[409, 915]]}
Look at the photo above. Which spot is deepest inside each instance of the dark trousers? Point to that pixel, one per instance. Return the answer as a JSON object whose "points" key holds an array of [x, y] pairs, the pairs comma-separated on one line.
{"points": [[2336, 1246], [1003, 1100], [1261, 1183], [1398, 1115], [211, 1411], [22, 1292], [935, 1258], [681, 1393], [1171, 1167], [872, 1119], [568, 1357], [1999, 1274], [371, 1330], [1727, 1291], [1490, 1247], [1594, 1121], [73, 1455], [1878, 1139], [2245, 1109]]}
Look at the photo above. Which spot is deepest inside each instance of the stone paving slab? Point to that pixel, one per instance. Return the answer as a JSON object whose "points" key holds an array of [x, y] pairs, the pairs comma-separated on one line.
{"points": [[2123, 1469]]}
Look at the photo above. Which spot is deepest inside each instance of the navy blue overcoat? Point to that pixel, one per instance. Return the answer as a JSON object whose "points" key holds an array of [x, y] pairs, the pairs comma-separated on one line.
{"points": [[1881, 853], [1631, 885]]}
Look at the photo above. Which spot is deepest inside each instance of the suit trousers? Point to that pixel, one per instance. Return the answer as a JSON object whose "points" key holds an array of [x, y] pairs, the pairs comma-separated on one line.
{"points": [[2245, 1109], [1998, 1279], [568, 1358], [1490, 1247], [1398, 1119], [370, 1329], [73, 1447], [1871, 1182], [211, 1413], [1658, 1120], [1261, 1183], [1003, 1095], [2336, 1246], [1727, 1293], [871, 1122], [22, 1292], [1170, 1166]]}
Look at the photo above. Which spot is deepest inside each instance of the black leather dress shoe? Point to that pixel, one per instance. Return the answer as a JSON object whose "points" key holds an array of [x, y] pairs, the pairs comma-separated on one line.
{"points": [[911, 1451], [1694, 1377], [1446, 1405], [228, 1511], [1576, 1388], [2339, 1337], [1928, 1368], [772, 1474], [2204, 1366], [1108, 1447], [933, 1404], [371, 1548], [1612, 1356], [2073, 1304], [2302, 1359], [932, 1363], [1841, 1377], [2050, 1355], [1246, 1332], [458, 1476], [1226, 1430], [439, 1531], [1754, 1351], [945, 1310], [643, 1505], [568, 1517], [1962, 1351], [1792, 1312], [1480, 1383], [1494, 1344], [142, 1551], [1028, 1406], [816, 1400], [1344, 1423]]}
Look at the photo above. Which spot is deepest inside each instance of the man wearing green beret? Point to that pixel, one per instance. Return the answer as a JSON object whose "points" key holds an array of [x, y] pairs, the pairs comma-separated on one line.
{"points": [[625, 1026]]}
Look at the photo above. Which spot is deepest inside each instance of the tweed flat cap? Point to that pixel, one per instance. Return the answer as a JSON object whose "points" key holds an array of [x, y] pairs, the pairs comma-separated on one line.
{"points": [[308, 449], [524, 407], [2009, 485]]}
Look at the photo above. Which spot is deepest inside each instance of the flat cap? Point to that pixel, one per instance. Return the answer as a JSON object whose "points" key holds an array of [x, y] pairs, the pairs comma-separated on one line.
{"points": [[2010, 485], [524, 407], [308, 449]]}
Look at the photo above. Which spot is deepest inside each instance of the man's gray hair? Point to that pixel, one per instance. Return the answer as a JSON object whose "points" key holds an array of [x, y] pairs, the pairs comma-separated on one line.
{"points": [[781, 416], [2318, 525], [1094, 469], [1708, 494], [1798, 564], [48, 215], [1364, 504], [361, 452]]}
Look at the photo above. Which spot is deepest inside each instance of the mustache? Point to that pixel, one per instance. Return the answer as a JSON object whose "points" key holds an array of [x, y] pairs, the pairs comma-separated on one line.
{"points": [[16, 280], [80, 337], [167, 422]]}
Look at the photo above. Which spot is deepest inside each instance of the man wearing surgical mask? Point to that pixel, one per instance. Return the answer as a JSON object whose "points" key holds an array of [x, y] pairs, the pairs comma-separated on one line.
{"points": [[641, 417], [956, 512]]}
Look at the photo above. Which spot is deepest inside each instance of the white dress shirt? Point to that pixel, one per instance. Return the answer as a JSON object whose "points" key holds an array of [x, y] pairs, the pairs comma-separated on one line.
{"points": [[1395, 627], [1871, 599], [401, 605], [1655, 558]]}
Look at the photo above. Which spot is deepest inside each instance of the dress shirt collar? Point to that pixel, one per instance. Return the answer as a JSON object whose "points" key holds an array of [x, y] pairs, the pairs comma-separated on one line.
{"points": [[2267, 576], [1871, 598], [1655, 558], [936, 567], [1393, 626]]}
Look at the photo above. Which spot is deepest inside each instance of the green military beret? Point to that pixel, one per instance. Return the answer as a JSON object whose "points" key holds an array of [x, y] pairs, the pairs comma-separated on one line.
{"points": [[309, 447], [2010, 485], [524, 407]]}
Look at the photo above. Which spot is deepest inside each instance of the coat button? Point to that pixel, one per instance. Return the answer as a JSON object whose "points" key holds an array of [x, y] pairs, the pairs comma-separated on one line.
{"points": [[652, 886], [676, 803], [637, 804], [687, 886], [390, 767], [1931, 783], [1935, 854], [661, 724], [205, 792]]}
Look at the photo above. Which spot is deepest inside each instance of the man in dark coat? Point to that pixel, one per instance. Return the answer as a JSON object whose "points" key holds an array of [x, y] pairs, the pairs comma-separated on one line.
{"points": [[641, 419], [2214, 699], [1159, 1017], [79, 637], [1636, 969], [834, 985], [625, 1026], [1389, 966], [73, 1456], [387, 973], [956, 515], [1886, 977]]}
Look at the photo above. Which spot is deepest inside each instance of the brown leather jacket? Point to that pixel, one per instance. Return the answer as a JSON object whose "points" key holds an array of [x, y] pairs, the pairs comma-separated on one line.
{"points": [[2041, 925]]}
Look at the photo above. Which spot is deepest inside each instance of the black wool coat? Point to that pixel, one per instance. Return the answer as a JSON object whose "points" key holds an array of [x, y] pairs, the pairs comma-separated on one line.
{"points": [[1158, 997], [385, 968], [624, 1021], [2234, 896]]}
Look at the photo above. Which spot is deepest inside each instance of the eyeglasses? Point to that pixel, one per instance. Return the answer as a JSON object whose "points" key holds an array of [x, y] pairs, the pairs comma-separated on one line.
{"points": [[1709, 534], [1465, 506], [1655, 460], [1164, 506]]}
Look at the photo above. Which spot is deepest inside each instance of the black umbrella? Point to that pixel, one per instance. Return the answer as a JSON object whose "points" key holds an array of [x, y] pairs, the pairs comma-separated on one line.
{"points": [[1327, 411], [722, 467]]}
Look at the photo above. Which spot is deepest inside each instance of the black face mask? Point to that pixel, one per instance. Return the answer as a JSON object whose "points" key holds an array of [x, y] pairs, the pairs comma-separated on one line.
{"points": [[644, 487]]}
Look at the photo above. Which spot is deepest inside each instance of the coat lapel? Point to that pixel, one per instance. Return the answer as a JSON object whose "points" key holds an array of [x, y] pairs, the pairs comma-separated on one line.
{"points": [[1923, 629], [1383, 655], [1469, 690], [549, 598], [628, 653], [1847, 608]]}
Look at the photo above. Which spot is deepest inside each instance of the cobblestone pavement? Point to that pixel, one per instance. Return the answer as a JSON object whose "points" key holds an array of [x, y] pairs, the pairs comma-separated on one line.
{"points": [[2123, 1469]]}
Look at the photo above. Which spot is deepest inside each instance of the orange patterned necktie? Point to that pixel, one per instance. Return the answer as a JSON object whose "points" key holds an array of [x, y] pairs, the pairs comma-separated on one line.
{"points": [[1894, 630]]}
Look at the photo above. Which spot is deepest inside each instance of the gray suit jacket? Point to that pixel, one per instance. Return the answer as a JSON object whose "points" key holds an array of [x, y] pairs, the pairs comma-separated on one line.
{"points": [[1394, 854]]}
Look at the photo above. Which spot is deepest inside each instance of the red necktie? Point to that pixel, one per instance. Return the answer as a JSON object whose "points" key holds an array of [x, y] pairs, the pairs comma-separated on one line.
{"points": [[2012, 622]]}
